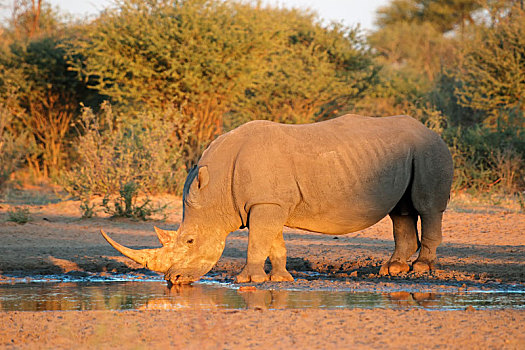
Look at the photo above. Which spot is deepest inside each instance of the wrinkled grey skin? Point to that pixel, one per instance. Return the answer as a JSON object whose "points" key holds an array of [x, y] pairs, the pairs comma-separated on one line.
{"points": [[332, 177]]}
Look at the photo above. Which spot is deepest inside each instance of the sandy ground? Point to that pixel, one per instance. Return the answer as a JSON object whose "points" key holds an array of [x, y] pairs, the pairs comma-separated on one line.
{"points": [[274, 329], [483, 248]]}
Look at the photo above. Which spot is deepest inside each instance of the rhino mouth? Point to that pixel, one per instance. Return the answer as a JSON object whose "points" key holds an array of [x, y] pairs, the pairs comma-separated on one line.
{"points": [[180, 279]]}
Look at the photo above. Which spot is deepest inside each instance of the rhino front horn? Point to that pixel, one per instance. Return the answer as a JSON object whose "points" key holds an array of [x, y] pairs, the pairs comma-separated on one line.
{"points": [[140, 256]]}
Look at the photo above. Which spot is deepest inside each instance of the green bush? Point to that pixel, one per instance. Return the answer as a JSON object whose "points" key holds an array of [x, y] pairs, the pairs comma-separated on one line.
{"points": [[493, 68], [487, 161], [223, 63], [121, 158], [47, 99], [13, 148], [128, 205], [19, 215]]}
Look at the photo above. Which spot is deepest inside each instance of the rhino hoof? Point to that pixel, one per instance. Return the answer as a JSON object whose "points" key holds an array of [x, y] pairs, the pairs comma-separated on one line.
{"points": [[421, 267], [244, 278], [283, 276], [394, 268]]}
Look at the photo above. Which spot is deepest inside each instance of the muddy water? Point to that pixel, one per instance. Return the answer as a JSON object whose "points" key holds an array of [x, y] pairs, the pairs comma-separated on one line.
{"points": [[154, 295]]}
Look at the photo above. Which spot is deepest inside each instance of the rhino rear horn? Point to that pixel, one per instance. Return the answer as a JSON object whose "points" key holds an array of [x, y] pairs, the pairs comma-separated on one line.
{"points": [[165, 236]]}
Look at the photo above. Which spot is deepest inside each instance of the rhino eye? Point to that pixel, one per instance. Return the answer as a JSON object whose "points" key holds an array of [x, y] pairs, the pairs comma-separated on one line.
{"points": [[190, 241]]}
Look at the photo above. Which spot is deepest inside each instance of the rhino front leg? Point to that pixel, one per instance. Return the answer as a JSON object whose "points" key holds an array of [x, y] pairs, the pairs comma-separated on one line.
{"points": [[431, 238], [406, 241], [278, 259], [265, 223]]}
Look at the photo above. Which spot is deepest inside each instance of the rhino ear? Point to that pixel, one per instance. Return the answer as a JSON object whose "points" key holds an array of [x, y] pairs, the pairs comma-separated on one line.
{"points": [[199, 182], [204, 177]]}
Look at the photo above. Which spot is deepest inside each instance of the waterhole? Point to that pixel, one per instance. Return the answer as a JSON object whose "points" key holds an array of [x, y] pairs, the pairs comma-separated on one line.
{"points": [[155, 295]]}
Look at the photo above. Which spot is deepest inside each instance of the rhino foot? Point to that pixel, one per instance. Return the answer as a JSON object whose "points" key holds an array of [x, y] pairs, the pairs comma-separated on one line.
{"points": [[422, 267], [256, 277], [394, 268], [281, 276]]}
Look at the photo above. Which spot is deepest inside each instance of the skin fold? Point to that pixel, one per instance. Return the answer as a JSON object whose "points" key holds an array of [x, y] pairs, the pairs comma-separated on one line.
{"points": [[333, 177]]}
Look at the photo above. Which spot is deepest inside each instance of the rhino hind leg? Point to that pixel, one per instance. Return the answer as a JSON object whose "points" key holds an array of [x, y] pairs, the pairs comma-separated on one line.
{"points": [[265, 224], [433, 172], [278, 259], [430, 239], [406, 244]]}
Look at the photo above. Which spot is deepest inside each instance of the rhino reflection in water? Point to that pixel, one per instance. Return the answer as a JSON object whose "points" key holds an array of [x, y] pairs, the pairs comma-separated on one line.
{"points": [[334, 177]]}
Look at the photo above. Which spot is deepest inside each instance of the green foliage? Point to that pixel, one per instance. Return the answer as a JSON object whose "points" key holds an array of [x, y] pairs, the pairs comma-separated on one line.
{"points": [[412, 54], [486, 160], [442, 15], [397, 11], [443, 97], [128, 205], [466, 84], [492, 74], [115, 151], [31, 20], [309, 73], [47, 98], [222, 63], [19, 215], [35, 75], [191, 55], [417, 50], [180, 72], [88, 208], [13, 147]]}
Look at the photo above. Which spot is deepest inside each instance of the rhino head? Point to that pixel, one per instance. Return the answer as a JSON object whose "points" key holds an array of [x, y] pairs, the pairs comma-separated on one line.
{"points": [[191, 251], [182, 259]]}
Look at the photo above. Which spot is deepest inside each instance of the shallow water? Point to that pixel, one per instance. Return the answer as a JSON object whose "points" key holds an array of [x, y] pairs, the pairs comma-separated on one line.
{"points": [[154, 295]]}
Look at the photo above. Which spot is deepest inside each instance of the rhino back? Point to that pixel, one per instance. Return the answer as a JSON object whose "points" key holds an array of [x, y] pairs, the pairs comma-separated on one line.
{"points": [[336, 176]]}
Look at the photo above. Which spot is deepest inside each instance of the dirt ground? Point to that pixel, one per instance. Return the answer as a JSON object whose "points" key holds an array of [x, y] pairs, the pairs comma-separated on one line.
{"points": [[483, 248]]}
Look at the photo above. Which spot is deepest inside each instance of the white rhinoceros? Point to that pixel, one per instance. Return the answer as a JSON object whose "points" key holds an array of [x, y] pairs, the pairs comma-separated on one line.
{"points": [[334, 177]]}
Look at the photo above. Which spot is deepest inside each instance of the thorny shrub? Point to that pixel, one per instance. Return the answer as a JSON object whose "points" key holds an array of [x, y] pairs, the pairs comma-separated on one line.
{"points": [[13, 148], [488, 161], [19, 215], [126, 204], [124, 158]]}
